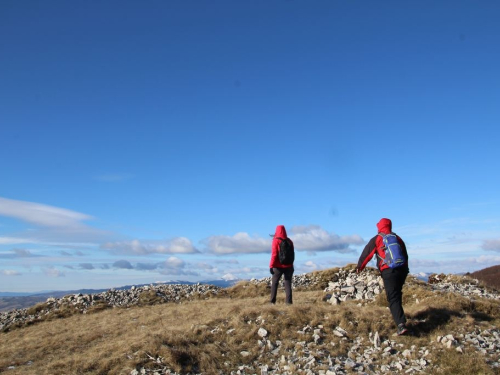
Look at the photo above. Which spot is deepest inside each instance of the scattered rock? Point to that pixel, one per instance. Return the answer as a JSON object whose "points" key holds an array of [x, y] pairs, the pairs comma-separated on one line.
{"points": [[262, 332], [81, 303]]}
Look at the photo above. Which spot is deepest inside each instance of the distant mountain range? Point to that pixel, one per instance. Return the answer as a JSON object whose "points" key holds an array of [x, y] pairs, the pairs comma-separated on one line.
{"points": [[57, 293], [13, 300]]}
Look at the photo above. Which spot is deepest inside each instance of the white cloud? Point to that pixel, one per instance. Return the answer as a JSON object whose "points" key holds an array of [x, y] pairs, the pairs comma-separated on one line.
{"points": [[486, 260], [53, 272], [10, 273], [207, 267], [229, 277], [178, 245], [305, 238], [314, 238], [239, 243], [41, 214], [14, 240], [453, 265], [173, 262], [493, 245], [175, 266], [53, 225], [310, 265]]}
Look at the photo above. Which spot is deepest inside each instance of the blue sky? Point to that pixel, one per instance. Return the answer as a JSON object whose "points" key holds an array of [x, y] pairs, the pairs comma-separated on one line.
{"points": [[165, 140]]}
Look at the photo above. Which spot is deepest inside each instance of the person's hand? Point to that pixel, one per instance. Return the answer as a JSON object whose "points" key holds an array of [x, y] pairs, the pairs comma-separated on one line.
{"points": [[271, 271]]}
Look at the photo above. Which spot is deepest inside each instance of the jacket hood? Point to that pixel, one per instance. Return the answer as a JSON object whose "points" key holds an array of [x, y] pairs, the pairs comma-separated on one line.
{"points": [[384, 226], [280, 232]]}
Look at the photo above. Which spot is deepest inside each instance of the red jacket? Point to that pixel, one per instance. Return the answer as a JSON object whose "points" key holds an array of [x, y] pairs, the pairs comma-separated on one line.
{"points": [[275, 248], [376, 245]]}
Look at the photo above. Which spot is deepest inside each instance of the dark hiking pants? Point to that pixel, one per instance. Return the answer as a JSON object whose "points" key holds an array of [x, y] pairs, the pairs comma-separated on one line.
{"points": [[288, 273], [394, 280]]}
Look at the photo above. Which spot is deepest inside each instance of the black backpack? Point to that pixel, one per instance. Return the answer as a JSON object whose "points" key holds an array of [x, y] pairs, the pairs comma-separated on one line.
{"points": [[286, 253]]}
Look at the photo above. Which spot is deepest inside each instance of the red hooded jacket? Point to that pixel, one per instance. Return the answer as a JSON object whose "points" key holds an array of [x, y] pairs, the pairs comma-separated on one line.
{"points": [[275, 248], [376, 245]]}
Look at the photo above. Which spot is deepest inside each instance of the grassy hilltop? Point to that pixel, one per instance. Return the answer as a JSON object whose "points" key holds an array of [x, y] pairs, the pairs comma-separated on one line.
{"points": [[220, 334]]}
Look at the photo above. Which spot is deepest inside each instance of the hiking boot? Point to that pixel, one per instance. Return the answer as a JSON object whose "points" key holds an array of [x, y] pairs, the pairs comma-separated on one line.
{"points": [[402, 329]]}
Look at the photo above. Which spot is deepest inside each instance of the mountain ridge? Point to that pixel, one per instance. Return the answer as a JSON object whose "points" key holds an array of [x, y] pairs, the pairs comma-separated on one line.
{"points": [[339, 324], [12, 300]]}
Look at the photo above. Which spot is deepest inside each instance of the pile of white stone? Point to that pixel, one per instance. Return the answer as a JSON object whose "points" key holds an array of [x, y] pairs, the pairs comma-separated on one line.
{"points": [[347, 285], [467, 287], [305, 280], [81, 303]]}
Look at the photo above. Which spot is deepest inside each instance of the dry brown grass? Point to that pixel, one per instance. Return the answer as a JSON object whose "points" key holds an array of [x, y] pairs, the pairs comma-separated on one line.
{"points": [[245, 289], [193, 336], [489, 276]]}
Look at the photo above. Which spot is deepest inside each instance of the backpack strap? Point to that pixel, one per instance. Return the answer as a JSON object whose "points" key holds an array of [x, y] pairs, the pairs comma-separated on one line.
{"points": [[383, 247]]}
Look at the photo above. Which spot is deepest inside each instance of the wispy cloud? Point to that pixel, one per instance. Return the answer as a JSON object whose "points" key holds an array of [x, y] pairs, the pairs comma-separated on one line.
{"points": [[171, 266], [23, 253], [41, 214], [456, 265], [227, 261], [53, 272], [207, 267], [54, 225], [123, 264], [17, 253], [86, 266], [10, 273], [447, 228], [14, 240], [310, 266], [178, 245], [493, 245], [173, 262]]}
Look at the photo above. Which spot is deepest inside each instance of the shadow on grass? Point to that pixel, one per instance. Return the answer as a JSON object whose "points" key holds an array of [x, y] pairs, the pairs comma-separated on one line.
{"points": [[431, 319], [434, 318], [480, 316]]}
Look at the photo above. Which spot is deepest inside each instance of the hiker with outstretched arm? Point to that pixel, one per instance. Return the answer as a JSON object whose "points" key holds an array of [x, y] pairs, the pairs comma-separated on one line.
{"points": [[392, 262], [282, 257]]}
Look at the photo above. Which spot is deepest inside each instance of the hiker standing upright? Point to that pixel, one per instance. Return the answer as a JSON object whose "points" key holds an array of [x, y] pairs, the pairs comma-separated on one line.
{"points": [[282, 257], [392, 262]]}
